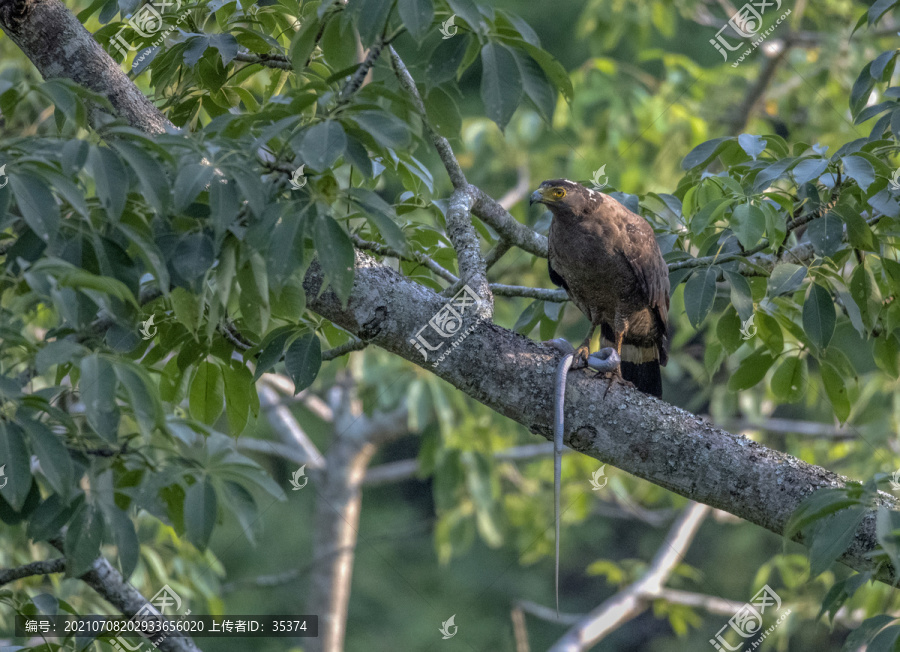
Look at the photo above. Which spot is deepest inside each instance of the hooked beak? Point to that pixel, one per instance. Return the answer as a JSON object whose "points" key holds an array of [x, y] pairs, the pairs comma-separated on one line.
{"points": [[537, 197]]}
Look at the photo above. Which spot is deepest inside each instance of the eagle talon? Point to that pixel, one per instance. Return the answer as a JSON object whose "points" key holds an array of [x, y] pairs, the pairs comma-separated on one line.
{"points": [[582, 354]]}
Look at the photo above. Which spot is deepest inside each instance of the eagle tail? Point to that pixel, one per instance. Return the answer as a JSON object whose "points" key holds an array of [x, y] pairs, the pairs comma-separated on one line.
{"points": [[646, 376], [640, 364]]}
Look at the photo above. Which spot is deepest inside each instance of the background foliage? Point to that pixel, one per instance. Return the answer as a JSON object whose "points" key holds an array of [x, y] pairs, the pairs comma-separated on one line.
{"points": [[102, 229]]}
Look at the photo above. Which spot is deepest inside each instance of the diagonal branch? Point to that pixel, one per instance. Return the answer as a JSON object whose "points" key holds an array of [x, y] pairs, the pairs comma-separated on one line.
{"points": [[59, 46], [635, 599], [661, 443]]}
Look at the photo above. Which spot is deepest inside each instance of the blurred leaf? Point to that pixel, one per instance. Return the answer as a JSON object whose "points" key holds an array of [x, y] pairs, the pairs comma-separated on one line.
{"points": [[200, 512], [110, 178], [56, 464], [335, 254], [323, 144], [699, 294], [417, 15], [37, 204], [16, 465], [836, 390], [749, 224], [98, 393], [302, 361], [501, 83], [207, 393], [790, 380], [83, 540], [751, 370], [819, 316]]}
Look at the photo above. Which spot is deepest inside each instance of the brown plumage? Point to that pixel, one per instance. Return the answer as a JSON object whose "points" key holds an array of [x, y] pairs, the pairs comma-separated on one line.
{"points": [[609, 263]]}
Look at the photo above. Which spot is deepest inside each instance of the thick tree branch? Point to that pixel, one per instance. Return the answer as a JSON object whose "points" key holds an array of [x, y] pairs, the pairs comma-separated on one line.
{"points": [[637, 433], [110, 585], [59, 46]]}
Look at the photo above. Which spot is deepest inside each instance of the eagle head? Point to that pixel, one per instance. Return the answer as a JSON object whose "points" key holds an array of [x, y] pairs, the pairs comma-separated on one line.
{"points": [[562, 195]]}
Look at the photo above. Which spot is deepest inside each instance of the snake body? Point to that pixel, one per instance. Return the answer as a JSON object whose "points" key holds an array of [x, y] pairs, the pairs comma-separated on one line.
{"points": [[605, 360]]}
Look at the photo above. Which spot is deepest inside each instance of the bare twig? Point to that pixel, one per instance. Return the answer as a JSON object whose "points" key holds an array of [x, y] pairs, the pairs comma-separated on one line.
{"points": [[355, 344], [45, 567], [556, 296], [279, 61], [359, 75], [413, 256]]}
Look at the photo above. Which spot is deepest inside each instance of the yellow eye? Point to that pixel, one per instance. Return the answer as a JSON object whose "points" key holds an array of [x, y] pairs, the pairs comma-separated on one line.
{"points": [[558, 193]]}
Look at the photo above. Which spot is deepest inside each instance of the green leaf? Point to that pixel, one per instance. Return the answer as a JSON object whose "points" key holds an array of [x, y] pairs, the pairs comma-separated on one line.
{"points": [[831, 537], [98, 393], [151, 177], [753, 145], [826, 233], [865, 294], [445, 60], [699, 294], [860, 170], [303, 43], [554, 70], [110, 178], [303, 360], [189, 183], [200, 512], [336, 254], [238, 389], [36, 204], [194, 255], [83, 539], [56, 464], [371, 17], [417, 15], [728, 330], [207, 393], [887, 352], [749, 224], [501, 83], [862, 635], [704, 152], [537, 87], [809, 169], [710, 212], [125, 538], [819, 316], [817, 506], [751, 370], [741, 294], [885, 640], [142, 396], [187, 308], [271, 353], [858, 232], [785, 278], [15, 462], [323, 144], [382, 215], [836, 390], [387, 130], [790, 380]]}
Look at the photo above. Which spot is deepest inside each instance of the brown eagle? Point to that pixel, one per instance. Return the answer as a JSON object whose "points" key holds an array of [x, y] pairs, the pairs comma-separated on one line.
{"points": [[609, 263]]}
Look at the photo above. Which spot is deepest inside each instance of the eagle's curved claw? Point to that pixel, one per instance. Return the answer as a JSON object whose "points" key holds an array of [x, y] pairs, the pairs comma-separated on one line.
{"points": [[606, 360]]}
